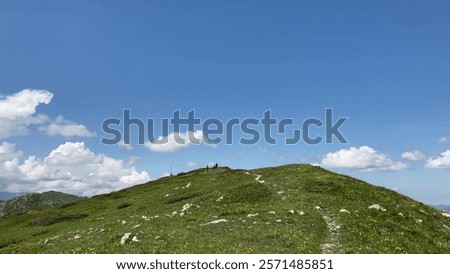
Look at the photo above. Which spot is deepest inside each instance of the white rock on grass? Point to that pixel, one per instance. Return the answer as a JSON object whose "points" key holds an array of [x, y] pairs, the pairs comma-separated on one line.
{"points": [[145, 218], [189, 185], [124, 222], [344, 211], [186, 207], [317, 208], [446, 214], [272, 212], [401, 215], [292, 211], [220, 199], [215, 222], [252, 215], [125, 239], [47, 241], [377, 207], [301, 213], [135, 239]]}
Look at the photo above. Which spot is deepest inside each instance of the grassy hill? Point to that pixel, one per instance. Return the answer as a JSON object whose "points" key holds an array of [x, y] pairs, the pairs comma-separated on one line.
{"points": [[288, 209], [34, 201]]}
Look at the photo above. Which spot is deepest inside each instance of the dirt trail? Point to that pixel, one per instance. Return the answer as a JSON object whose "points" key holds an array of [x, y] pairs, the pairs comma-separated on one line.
{"points": [[331, 243], [258, 177]]}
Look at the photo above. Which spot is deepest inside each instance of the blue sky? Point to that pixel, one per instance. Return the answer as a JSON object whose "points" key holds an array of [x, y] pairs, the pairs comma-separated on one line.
{"points": [[383, 64]]}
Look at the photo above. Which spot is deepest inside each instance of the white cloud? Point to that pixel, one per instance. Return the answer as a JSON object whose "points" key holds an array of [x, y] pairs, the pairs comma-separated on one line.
{"points": [[176, 141], [444, 140], [71, 168], [165, 174], [192, 164], [19, 126], [134, 177], [263, 150], [364, 158], [440, 162], [413, 156], [17, 111], [8, 152], [66, 128], [23, 103]]}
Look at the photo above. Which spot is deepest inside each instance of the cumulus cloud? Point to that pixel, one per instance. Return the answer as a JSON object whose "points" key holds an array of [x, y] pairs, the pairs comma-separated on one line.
{"points": [[23, 103], [176, 141], [66, 128], [17, 111], [413, 156], [19, 126], [364, 158], [165, 174], [8, 152], [71, 168], [440, 162]]}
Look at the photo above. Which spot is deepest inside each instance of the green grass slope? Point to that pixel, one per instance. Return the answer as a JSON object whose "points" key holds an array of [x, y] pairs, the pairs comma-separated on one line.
{"points": [[288, 209]]}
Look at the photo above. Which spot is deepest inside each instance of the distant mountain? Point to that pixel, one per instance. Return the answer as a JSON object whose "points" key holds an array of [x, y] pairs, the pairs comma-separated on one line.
{"points": [[5, 196], [292, 209], [444, 207], [34, 201]]}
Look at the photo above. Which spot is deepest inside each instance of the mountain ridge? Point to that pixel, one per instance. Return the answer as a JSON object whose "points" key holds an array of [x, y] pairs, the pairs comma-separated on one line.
{"points": [[444, 207], [34, 201], [5, 196]]}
